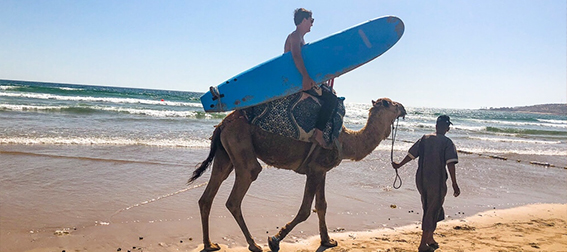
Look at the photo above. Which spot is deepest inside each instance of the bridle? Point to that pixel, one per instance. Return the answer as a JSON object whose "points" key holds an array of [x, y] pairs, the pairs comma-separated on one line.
{"points": [[394, 132]]}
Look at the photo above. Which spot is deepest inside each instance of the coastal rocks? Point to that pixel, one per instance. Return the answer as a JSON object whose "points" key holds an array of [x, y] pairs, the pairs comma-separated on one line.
{"points": [[62, 232], [464, 227], [498, 157], [338, 229], [539, 163], [542, 163]]}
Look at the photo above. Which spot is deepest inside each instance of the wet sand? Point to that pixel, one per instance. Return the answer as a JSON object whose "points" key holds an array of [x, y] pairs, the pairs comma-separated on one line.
{"points": [[106, 198]]}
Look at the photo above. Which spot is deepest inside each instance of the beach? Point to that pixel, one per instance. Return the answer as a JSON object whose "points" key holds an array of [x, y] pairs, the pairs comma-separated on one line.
{"points": [[95, 168], [526, 228], [116, 198]]}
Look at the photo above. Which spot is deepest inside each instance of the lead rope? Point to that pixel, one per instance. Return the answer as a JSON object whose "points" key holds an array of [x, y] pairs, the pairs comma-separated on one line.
{"points": [[394, 132]]}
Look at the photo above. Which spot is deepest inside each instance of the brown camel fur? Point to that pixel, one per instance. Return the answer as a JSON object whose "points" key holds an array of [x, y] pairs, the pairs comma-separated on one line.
{"points": [[237, 145]]}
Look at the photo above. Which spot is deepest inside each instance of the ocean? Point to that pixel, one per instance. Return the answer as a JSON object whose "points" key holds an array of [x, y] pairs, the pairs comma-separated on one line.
{"points": [[64, 114], [113, 162]]}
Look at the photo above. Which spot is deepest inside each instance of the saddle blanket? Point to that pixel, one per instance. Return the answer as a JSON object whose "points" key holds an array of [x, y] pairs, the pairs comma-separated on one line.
{"points": [[295, 116]]}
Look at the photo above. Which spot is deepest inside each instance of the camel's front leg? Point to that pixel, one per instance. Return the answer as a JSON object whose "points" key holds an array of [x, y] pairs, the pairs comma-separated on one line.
{"points": [[313, 181], [321, 207]]}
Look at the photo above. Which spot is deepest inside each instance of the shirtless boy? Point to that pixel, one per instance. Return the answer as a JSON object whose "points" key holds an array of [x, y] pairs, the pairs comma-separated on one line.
{"points": [[303, 21]]}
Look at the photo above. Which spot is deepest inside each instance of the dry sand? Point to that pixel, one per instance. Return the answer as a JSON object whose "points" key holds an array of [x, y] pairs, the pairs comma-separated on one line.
{"points": [[541, 227]]}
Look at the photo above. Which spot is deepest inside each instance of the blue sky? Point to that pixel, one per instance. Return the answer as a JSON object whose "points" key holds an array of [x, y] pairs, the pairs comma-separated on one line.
{"points": [[454, 54]]}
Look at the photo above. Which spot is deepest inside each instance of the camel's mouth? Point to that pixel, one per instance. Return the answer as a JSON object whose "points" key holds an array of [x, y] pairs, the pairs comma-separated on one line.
{"points": [[401, 111]]}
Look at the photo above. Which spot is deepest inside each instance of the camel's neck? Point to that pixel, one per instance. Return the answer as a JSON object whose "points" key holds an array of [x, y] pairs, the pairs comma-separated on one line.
{"points": [[358, 144]]}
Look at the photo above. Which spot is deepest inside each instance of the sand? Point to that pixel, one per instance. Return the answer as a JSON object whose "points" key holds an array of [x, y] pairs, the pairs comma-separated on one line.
{"points": [[538, 227], [92, 198]]}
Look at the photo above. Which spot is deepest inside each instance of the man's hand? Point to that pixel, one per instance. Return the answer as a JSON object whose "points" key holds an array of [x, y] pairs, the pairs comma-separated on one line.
{"points": [[396, 165], [456, 190], [400, 164]]}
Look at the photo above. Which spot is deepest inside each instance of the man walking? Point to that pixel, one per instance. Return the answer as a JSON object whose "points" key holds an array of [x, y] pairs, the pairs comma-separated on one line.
{"points": [[435, 151]]}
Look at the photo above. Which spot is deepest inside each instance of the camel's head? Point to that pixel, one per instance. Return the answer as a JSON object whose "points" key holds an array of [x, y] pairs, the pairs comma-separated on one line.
{"points": [[387, 109]]}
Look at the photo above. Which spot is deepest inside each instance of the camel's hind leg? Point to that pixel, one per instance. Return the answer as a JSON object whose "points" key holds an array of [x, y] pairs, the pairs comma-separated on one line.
{"points": [[234, 203], [321, 207], [221, 169], [238, 144], [312, 185]]}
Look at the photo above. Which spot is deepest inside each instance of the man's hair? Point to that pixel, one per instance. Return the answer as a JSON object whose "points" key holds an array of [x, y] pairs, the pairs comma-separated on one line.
{"points": [[444, 120], [300, 14]]}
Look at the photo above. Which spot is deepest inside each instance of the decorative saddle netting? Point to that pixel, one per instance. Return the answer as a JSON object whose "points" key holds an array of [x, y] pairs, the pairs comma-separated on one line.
{"points": [[295, 116]]}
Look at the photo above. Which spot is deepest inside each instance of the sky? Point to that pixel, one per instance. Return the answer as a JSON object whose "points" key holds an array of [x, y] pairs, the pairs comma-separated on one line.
{"points": [[453, 54]]}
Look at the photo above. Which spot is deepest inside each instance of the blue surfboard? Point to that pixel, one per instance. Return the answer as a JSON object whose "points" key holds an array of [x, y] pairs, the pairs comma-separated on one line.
{"points": [[324, 59]]}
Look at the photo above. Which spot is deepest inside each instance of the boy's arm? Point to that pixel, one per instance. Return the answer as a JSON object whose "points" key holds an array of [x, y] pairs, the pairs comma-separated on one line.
{"points": [[456, 189], [307, 83]]}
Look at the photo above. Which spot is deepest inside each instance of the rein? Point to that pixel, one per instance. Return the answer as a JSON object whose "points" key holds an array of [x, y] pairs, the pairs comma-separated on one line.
{"points": [[394, 132]]}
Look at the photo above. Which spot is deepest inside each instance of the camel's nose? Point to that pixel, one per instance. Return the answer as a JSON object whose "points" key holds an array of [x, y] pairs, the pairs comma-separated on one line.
{"points": [[401, 110]]}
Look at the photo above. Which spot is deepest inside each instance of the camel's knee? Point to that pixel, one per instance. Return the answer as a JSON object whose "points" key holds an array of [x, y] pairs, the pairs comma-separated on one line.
{"points": [[205, 203], [303, 215], [233, 207], [255, 172], [222, 172], [321, 205], [249, 174]]}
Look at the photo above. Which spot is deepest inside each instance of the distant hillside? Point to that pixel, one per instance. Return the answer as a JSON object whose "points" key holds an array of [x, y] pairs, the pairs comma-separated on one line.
{"points": [[555, 109]]}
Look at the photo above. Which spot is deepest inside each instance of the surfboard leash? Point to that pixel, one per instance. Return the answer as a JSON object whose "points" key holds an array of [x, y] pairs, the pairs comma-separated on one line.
{"points": [[394, 132]]}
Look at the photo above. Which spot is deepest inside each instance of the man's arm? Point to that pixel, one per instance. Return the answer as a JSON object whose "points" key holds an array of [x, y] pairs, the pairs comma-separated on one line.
{"points": [[307, 82], [400, 164], [413, 153], [456, 189]]}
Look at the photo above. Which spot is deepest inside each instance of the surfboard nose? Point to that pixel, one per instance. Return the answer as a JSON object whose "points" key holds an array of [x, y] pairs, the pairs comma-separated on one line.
{"points": [[400, 27]]}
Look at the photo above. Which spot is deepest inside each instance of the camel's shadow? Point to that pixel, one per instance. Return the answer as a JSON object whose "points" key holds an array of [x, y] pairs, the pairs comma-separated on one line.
{"points": [[320, 249]]}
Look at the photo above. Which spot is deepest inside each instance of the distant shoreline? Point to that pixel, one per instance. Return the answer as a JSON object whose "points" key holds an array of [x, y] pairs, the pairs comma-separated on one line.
{"points": [[551, 109]]}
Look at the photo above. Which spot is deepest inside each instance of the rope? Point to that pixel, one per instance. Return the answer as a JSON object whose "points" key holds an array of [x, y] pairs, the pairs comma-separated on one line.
{"points": [[394, 132], [308, 155], [156, 199]]}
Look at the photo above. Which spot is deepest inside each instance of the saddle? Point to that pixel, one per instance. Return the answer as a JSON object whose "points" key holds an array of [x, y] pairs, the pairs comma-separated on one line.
{"points": [[294, 116]]}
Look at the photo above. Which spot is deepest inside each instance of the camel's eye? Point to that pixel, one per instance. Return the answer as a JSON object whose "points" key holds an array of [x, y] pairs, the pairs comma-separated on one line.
{"points": [[385, 103]]}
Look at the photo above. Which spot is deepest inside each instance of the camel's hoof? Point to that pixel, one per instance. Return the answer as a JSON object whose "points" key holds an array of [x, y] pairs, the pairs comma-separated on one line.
{"points": [[212, 247], [274, 244], [329, 244], [255, 248]]}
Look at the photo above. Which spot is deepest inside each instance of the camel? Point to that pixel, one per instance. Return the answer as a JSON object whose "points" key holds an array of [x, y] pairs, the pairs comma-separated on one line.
{"points": [[237, 145]]}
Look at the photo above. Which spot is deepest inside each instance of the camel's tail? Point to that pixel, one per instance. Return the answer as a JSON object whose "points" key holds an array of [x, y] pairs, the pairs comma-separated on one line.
{"points": [[215, 144]]}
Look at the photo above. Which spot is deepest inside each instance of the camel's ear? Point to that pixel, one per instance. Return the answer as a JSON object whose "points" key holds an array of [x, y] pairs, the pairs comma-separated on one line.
{"points": [[373, 103]]}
